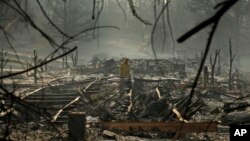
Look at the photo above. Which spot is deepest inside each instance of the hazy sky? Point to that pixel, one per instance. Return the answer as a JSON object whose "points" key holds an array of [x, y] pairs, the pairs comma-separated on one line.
{"points": [[133, 38]]}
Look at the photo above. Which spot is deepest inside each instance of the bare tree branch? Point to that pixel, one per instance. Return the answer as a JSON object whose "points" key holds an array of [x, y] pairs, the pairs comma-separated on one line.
{"points": [[154, 27], [225, 6], [93, 9], [214, 20], [170, 29], [132, 7], [231, 59], [52, 23], [123, 11]]}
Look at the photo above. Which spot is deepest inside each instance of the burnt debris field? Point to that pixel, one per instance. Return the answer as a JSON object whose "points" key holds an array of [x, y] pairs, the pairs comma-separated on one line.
{"points": [[126, 70]]}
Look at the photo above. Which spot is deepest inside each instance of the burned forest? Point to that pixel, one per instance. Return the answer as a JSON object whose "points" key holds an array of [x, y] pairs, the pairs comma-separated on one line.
{"points": [[124, 70]]}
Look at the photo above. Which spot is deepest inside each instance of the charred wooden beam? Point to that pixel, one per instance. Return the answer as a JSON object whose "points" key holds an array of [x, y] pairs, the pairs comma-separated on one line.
{"points": [[242, 117], [172, 127], [231, 106]]}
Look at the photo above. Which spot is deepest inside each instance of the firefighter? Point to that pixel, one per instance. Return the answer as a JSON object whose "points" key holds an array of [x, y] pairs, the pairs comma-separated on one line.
{"points": [[124, 69], [125, 80]]}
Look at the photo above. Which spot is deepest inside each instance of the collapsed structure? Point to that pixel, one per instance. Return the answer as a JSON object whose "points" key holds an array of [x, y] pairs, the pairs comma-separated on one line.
{"points": [[157, 102]]}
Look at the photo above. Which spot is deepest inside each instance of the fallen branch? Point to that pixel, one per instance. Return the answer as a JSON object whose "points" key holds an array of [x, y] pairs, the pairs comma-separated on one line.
{"points": [[90, 84], [30, 93], [178, 114], [158, 92], [64, 107]]}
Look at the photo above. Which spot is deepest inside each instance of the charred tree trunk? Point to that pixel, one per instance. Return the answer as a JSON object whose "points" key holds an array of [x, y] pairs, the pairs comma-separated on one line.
{"points": [[3, 62], [205, 75], [76, 58], [35, 63], [219, 66], [1, 66], [42, 67], [45, 66], [230, 65], [66, 61], [27, 65], [164, 29], [235, 77], [66, 30], [213, 64], [63, 62]]}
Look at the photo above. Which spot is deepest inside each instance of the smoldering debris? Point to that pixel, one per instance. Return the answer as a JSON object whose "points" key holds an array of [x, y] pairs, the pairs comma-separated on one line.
{"points": [[152, 97]]}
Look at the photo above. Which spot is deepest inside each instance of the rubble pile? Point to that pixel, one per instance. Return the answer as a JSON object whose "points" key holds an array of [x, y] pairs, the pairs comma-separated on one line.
{"points": [[159, 92]]}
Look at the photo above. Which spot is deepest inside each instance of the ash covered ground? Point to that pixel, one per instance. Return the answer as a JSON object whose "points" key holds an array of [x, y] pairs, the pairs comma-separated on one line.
{"points": [[157, 93]]}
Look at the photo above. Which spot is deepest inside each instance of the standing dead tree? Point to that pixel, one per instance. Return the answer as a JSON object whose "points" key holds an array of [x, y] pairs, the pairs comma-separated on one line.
{"points": [[231, 59], [65, 61], [213, 64], [219, 65], [205, 77], [35, 59], [74, 58], [170, 29], [3, 62], [164, 29], [235, 76]]}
